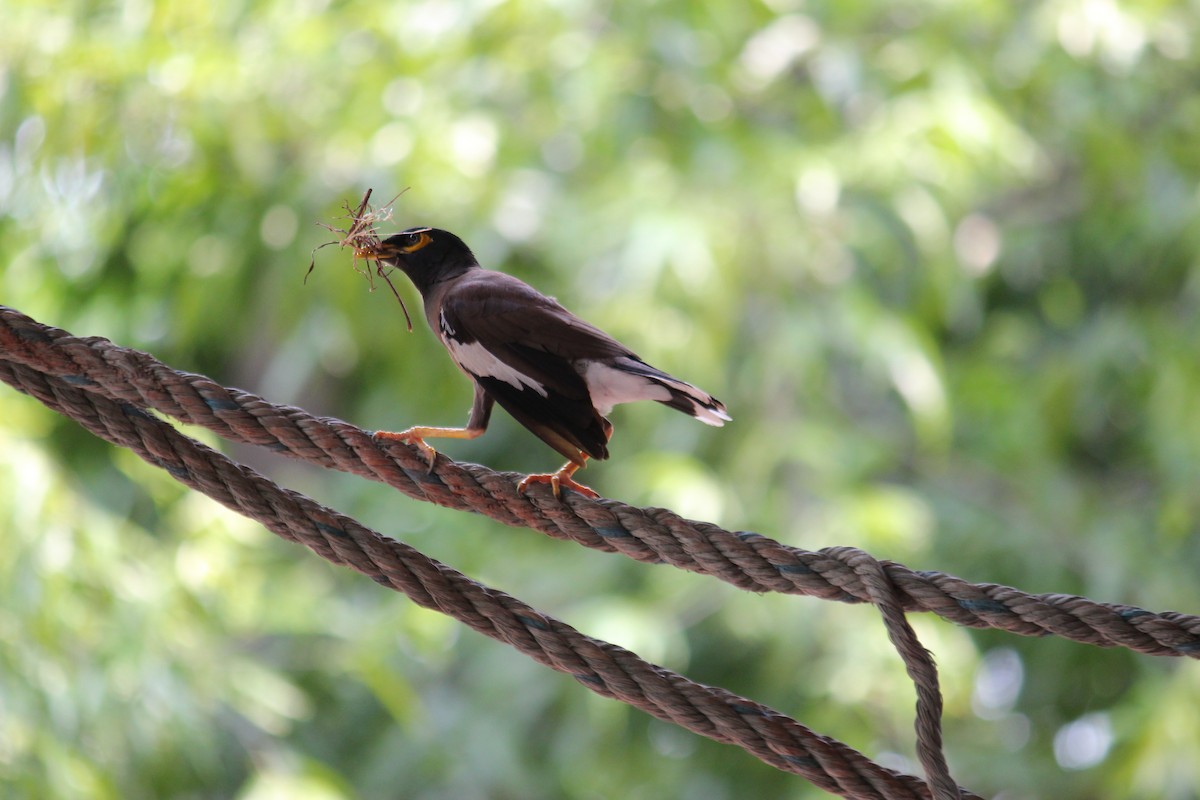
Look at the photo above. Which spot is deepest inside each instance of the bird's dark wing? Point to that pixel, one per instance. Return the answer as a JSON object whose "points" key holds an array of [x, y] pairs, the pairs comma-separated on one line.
{"points": [[520, 346]]}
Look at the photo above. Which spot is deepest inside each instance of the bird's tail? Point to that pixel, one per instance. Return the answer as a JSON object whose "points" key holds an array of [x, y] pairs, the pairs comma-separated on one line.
{"points": [[698, 403], [682, 396]]}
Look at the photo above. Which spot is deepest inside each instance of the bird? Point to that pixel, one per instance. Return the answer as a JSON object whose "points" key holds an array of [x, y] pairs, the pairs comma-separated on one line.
{"points": [[556, 374]]}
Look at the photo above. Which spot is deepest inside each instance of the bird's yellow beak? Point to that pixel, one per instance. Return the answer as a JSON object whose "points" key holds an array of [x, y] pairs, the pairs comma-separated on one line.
{"points": [[376, 251]]}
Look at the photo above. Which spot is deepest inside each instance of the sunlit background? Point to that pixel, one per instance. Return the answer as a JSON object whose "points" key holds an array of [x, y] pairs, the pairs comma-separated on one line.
{"points": [[939, 259]]}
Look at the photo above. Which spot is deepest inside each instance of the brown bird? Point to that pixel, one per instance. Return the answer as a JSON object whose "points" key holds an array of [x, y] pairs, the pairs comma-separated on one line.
{"points": [[554, 373]]}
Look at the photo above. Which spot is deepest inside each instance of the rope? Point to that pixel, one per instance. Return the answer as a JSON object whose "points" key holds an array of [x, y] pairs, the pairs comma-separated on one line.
{"points": [[604, 668], [747, 560], [106, 387]]}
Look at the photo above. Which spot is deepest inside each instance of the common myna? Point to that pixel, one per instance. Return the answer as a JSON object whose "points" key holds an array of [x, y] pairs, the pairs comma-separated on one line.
{"points": [[556, 374]]}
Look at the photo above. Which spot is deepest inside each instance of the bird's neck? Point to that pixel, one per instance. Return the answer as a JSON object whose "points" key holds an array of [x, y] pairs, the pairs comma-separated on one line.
{"points": [[428, 281]]}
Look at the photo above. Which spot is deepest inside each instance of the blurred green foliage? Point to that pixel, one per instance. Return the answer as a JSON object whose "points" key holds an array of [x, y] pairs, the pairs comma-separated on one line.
{"points": [[939, 259]]}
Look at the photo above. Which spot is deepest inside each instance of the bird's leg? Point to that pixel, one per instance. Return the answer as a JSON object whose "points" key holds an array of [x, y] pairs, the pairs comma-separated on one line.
{"points": [[481, 411], [563, 477], [560, 479], [416, 436]]}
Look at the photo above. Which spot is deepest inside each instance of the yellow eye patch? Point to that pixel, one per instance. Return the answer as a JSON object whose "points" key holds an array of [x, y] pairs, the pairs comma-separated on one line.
{"points": [[423, 239]]}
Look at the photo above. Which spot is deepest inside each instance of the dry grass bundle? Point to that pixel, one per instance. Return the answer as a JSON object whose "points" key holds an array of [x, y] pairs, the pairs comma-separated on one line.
{"points": [[362, 237]]}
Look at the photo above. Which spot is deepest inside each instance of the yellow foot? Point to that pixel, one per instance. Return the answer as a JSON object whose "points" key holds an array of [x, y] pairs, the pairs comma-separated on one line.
{"points": [[558, 480], [413, 437]]}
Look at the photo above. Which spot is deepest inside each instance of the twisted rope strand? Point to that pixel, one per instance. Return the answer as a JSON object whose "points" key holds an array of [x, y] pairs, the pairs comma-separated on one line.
{"points": [[746, 560], [602, 667]]}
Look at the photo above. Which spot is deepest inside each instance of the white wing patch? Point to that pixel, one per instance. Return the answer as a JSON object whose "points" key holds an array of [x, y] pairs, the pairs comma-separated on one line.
{"points": [[475, 359], [444, 324]]}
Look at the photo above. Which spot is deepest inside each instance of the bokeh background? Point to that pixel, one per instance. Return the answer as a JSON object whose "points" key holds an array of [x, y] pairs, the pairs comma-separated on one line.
{"points": [[940, 259]]}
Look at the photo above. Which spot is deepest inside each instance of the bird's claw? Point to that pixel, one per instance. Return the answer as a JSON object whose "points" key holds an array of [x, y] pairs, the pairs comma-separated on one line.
{"points": [[557, 481], [410, 438]]}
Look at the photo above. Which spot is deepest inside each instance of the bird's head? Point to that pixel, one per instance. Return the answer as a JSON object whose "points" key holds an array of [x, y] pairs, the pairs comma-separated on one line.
{"points": [[426, 255]]}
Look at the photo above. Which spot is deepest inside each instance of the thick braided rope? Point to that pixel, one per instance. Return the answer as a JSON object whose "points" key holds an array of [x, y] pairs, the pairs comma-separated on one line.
{"points": [[746, 560], [602, 667]]}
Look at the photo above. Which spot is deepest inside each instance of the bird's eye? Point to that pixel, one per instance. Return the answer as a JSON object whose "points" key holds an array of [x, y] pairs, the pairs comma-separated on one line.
{"points": [[413, 242]]}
